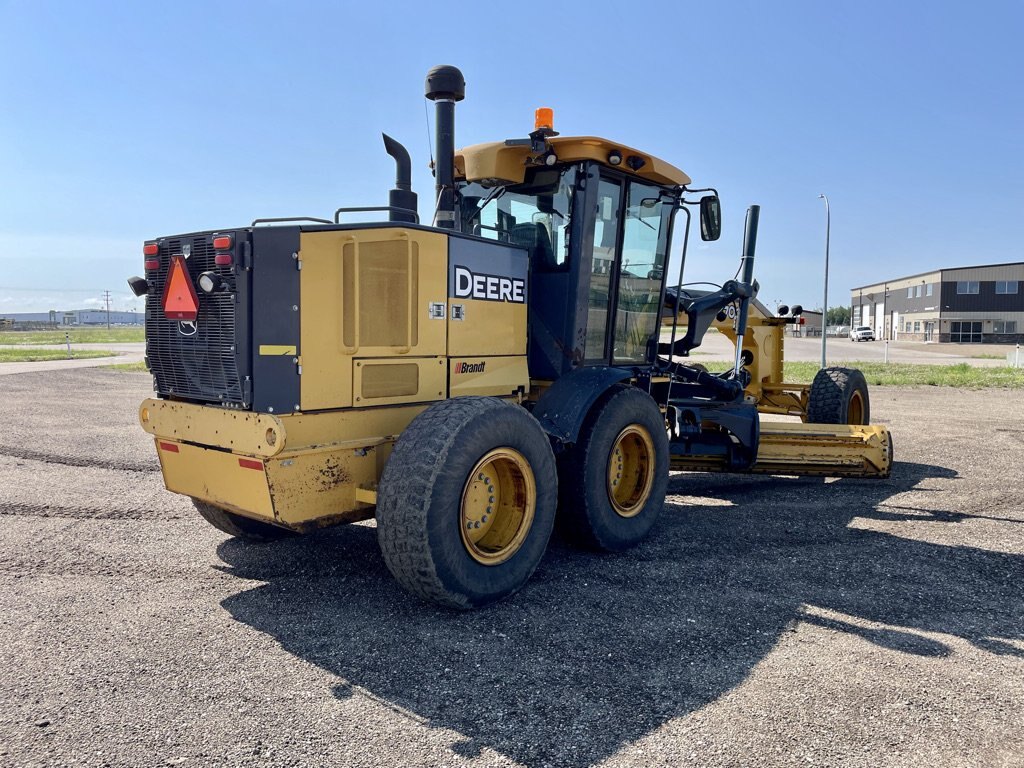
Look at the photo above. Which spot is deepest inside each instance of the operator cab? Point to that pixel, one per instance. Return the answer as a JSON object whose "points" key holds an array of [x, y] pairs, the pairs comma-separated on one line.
{"points": [[596, 218]]}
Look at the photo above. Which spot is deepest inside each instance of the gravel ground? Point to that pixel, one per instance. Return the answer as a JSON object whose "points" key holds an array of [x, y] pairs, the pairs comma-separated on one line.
{"points": [[768, 621]]}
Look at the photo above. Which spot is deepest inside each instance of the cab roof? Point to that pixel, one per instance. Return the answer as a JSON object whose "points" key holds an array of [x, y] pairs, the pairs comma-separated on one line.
{"points": [[497, 162]]}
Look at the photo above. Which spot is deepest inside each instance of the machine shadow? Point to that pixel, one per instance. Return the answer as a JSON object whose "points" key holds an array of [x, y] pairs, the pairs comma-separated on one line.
{"points": [[598, 650]]}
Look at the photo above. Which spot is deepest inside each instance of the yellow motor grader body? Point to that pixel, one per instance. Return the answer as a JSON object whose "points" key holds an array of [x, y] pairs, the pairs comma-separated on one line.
{"points": [[461, 382]]}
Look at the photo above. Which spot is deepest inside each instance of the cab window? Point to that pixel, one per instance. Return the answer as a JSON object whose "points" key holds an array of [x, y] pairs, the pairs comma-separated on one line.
{"points": [[534, 214], [641, 269], [602, 267]]}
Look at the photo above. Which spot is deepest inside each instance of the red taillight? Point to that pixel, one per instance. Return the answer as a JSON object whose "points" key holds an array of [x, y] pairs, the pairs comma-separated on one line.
{"points": [[222, 242], [151, 263], [150, 249], [222, 259]]}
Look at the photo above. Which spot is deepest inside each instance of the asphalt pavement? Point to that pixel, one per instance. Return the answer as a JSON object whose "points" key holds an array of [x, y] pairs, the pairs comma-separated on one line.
{"points": [[766, 621], [716, 347]]}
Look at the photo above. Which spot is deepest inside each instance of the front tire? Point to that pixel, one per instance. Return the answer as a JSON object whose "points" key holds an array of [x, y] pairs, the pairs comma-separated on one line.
{"points": [[613, 480], [466, 503], [839, 396]]}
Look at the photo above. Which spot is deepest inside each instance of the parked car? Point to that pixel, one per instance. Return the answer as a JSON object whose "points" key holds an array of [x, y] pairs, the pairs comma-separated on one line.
{"points": [[862, 333]]}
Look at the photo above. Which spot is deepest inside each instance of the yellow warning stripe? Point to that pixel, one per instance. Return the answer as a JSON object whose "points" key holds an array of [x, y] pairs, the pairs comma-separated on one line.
{"points": [[276, 349]]}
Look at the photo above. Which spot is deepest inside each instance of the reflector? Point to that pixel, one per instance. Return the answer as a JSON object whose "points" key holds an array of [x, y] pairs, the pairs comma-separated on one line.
{"points": [[180, 300]]}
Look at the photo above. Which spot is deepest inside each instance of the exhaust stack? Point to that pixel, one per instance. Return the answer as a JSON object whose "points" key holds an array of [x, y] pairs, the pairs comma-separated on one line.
{"points": [[402, 195], [445, 86]]}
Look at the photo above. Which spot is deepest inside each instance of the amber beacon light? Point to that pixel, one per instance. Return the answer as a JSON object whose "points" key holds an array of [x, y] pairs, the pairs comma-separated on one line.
{"points": [[544, 117]]}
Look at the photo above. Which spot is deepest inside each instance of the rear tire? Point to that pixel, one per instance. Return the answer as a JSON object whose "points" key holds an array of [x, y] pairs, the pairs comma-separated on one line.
{"points": [[610, 501], [839, 396], [466, 503], [238, 526]]}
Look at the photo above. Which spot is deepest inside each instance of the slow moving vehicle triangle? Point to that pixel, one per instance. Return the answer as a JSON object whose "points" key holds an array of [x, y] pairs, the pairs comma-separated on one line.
{"points": [[180, 300]]}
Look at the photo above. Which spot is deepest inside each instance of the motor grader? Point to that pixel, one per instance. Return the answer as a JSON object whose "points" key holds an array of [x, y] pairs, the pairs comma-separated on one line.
{"points": [[472, 383]]}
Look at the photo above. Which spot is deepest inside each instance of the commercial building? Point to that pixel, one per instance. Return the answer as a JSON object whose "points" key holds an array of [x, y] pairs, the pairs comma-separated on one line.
{"points": [[963, 305], [77, 317]]}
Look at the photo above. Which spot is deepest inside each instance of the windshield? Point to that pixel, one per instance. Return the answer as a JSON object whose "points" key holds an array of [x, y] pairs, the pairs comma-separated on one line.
{"points": [[534, 214]]}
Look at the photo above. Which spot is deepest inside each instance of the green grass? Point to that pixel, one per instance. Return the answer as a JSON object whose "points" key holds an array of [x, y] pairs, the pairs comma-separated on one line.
{"points": [[78, 336], [35, 355], [909, 375], [139, 367], [988, 357]]}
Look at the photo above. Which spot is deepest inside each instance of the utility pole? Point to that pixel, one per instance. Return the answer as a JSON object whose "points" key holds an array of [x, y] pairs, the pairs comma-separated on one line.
{"points": [[106, 299], [824, 302]]}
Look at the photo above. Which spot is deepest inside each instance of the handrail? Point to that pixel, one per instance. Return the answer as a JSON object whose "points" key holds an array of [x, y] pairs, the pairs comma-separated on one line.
{"points": [[388, 208], [290, 218]]}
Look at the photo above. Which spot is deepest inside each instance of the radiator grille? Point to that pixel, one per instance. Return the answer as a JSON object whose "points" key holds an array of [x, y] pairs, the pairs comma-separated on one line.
{"points": [[201, 364], [381, 283], [390, 380]]}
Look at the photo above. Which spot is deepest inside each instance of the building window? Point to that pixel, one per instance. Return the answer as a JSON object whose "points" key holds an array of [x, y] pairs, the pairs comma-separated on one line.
{"points": [[910, 291], [967, 286], [908, 327], [1004, 326], [928, 290], [965, 333], [917, 291], [1006, 286], [917, 326]]}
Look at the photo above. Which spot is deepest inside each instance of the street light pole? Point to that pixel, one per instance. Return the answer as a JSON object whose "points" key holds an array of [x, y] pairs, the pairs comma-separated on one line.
{"points": [[824, 302]]}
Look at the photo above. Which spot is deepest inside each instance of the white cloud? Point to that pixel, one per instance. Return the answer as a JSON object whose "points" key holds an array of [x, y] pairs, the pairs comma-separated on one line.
{"points": [[40, 272]]}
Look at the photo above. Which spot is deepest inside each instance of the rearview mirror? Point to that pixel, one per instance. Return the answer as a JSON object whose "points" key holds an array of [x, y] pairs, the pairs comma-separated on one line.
{"points": [[710, 217]]}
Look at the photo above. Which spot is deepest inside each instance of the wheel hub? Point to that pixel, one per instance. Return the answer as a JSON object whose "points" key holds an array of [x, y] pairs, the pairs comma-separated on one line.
{"points": [[631, 470], [498, 505], [855, 410]]}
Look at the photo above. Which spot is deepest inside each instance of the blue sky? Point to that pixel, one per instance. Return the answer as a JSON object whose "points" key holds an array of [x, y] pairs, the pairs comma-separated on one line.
{"points": [[124, 121]]}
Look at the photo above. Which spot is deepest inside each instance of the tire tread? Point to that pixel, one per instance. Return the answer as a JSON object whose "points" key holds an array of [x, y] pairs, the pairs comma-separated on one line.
{"points": [[830, 390], [406, 487]]}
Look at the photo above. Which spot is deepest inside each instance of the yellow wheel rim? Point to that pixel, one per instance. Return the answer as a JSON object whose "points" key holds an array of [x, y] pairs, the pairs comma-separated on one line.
{"points": [[498, 505], [631, 470], [855, 410]]}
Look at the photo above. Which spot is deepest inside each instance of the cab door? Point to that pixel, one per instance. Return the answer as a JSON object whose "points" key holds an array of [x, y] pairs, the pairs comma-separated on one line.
{"points": [[627, 260]]}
